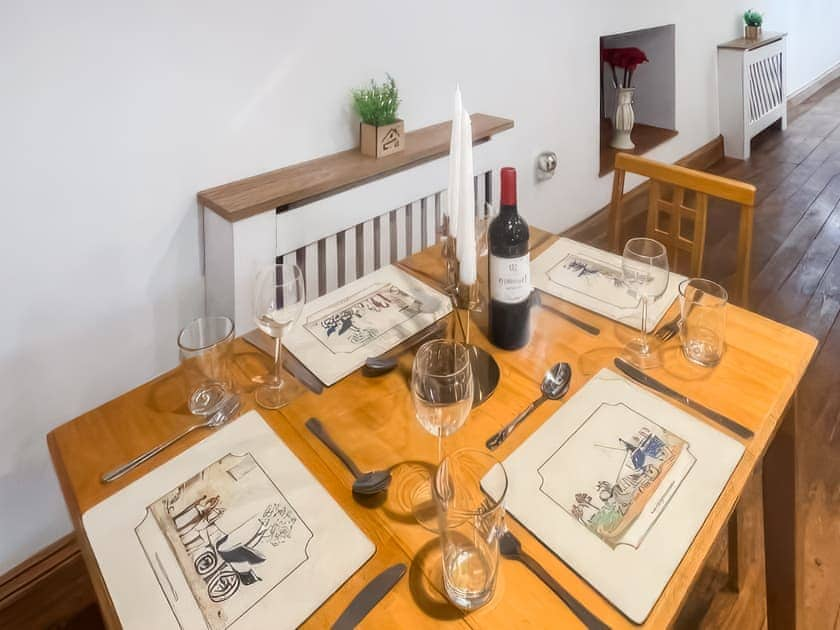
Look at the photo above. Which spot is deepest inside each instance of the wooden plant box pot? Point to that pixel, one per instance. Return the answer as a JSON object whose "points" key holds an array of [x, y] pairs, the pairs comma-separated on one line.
{"points": [[752, 32], [381, 141]]}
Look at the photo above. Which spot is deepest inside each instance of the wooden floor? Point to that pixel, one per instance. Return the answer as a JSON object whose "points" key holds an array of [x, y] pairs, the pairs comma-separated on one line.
{"points": [[795, 280]]}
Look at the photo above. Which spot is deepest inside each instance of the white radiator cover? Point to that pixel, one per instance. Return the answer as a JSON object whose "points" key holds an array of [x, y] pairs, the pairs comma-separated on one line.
{"points": [[751, 92]]}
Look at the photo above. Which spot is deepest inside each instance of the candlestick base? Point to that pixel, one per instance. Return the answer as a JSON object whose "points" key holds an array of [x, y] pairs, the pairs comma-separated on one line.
{"points": [[485, 372]]}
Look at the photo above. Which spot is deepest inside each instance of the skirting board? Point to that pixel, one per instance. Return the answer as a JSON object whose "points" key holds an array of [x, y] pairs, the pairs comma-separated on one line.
{"points": [[593, 229], [812, 87], [48, 589]]}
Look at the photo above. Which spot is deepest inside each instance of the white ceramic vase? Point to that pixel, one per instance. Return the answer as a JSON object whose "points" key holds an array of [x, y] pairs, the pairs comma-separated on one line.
{"points": [[624, 119]]}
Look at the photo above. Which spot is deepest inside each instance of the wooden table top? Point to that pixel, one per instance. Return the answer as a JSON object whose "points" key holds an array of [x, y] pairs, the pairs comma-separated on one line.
{"points": [[374, 420]]}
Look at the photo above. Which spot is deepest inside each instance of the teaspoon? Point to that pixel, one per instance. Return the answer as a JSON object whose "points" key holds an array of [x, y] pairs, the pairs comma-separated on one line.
{"points": [[372, 482], [554, 386]]}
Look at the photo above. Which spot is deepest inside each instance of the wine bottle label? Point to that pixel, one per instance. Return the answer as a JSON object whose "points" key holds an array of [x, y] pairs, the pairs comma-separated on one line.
{"points": [[510, 279]]}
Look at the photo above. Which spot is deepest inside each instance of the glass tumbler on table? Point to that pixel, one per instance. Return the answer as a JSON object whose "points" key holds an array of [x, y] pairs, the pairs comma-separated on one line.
{"points": [[205, 348], [279, 296], [442, 393], [469, 491], [644, 267], [703, 321]]}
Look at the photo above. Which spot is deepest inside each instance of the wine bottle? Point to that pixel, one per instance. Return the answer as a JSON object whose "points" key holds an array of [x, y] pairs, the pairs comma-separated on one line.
{"points": [[510, 274]]}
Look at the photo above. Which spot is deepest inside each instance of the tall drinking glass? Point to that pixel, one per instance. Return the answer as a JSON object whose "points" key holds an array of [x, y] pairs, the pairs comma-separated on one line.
{"points": [[644, 266], [442, 393], [469, 492], [279, 296], [205, 347], [703, 321]]}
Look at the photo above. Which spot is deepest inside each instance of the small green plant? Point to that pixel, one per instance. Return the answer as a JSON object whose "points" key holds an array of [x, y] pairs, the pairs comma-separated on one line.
{"points": [[377, 104], [753, 18]]}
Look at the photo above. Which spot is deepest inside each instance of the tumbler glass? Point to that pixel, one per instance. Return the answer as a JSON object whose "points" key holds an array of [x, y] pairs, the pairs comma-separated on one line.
{"points": [[206, 347], [469, 492], [703, 325]]}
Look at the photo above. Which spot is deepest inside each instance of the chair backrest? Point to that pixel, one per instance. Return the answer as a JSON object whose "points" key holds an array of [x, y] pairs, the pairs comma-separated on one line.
{"points": [[677, 208]]}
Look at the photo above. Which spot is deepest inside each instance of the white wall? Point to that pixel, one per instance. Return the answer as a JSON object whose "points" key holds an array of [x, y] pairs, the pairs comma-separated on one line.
{"points": [[113, 114]]}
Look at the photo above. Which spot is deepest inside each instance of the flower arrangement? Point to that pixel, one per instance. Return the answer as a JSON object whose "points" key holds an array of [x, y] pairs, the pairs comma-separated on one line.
{"points": [[628, 59], [753, 18], [377, 104]]}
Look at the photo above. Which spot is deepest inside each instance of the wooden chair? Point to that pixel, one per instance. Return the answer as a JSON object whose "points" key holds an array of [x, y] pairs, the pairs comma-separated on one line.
{"points": [[703, 185], [676, 209]]}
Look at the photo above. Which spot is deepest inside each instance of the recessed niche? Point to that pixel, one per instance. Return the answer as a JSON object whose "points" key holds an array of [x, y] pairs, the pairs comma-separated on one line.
{"points": [[654, 100]]}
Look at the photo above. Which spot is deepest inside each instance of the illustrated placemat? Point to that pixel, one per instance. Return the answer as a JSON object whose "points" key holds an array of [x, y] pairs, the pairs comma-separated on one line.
{"points": [[365, 318], [617, 483], [233, 533], [592, 278]]}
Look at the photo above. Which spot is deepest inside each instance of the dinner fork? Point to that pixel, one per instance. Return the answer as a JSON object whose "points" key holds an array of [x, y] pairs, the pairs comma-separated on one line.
{"points": [[668, 330], [227, 411], [511, 548]]}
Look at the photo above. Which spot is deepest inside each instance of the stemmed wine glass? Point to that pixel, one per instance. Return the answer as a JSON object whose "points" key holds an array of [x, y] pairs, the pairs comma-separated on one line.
{"points": [[442, 393], [279, 296], [644, 266]]}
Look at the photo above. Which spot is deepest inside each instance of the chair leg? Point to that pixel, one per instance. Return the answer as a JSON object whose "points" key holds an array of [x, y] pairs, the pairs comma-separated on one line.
{"points": [[734, 552]]}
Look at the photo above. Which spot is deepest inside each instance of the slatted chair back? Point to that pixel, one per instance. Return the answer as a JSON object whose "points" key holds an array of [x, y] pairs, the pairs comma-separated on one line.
{"points": [[351, 253], [669, 216]]}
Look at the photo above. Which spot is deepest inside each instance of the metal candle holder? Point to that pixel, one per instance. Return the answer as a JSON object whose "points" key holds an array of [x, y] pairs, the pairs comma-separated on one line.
{"points": [[465, 299]]}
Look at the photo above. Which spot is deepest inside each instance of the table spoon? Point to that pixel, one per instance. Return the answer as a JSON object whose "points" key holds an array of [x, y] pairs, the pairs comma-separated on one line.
{"points": [[384, 363], [554, 386], [223, 414], [372, 482]]}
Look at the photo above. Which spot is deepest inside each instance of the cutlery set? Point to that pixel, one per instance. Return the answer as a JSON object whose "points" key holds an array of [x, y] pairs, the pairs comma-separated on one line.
{"points": [[554, 386]]}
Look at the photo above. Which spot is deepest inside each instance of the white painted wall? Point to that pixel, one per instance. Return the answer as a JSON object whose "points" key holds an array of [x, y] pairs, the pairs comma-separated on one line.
{"points": [[113, 114]]}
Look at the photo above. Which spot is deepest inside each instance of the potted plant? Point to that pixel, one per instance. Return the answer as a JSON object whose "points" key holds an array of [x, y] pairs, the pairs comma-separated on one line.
{"points": [[381, 132], [626, 59], [752, 24]]}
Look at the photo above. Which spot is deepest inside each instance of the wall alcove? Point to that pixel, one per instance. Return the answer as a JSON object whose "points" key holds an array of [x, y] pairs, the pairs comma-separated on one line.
{"points": [[654, 102]]}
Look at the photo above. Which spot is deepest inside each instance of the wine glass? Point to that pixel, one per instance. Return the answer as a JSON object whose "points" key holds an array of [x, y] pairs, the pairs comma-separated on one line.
{"points": [[279, 296], [442, 393], [644, 266]]}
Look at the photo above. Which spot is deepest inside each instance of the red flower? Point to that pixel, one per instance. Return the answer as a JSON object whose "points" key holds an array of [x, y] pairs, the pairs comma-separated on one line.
{"points": [[627, 59], [624, 57]]}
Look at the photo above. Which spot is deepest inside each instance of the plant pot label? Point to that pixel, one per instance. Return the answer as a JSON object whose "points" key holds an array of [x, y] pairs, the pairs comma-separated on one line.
{"points": [[383, 140]]}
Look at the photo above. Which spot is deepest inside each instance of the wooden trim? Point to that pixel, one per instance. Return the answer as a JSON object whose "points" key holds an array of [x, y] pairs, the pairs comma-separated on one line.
{"points": [[307, 181], [48, 589], [594, 229], [802, 94]]}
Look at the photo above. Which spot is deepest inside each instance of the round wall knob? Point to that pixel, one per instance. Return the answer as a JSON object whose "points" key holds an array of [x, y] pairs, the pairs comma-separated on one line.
{"points": [[547, 163]]}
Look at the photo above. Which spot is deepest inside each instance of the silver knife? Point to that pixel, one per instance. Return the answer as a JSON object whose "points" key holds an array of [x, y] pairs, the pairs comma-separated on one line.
{"points": [[369, 597], [592, 330], [648, 381], [263, 342]]}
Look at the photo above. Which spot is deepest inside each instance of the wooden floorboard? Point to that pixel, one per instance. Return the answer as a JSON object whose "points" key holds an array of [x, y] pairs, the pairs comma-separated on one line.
{"points": [[796, 280], [795, 272]]}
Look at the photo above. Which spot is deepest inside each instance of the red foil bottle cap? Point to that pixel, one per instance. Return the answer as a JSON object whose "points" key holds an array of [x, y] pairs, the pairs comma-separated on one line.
{"points": [[508, 197]]}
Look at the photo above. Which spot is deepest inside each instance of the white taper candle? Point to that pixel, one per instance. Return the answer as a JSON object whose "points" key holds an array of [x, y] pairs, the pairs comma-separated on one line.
{"points": [[466, 206], [453, 197]]}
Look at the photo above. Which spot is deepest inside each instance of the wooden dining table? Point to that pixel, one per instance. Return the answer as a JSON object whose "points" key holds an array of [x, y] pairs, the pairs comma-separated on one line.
{"points": [[373, 419]]}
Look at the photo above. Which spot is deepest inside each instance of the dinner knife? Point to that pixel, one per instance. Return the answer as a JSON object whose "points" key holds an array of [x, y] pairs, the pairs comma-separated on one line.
{"points": [[369, 597], [648, 381], [592, 330]]}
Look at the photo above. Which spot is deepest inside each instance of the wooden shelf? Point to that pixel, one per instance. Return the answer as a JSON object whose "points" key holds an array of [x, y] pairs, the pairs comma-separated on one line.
{"points": [[307, 181], [645, 137], [742, 43]]}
